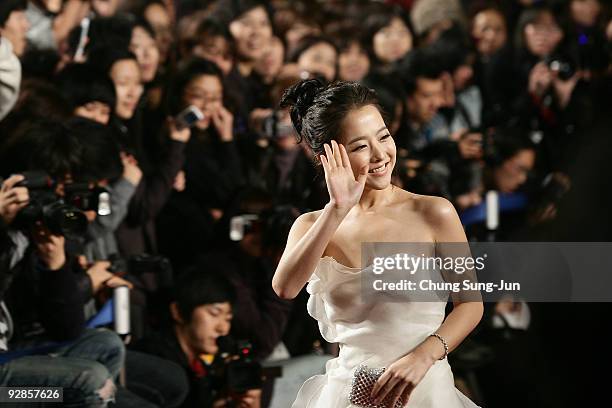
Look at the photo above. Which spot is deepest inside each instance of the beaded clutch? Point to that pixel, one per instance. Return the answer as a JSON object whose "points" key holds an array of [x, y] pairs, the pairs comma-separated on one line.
{"points": [[361, 388]]}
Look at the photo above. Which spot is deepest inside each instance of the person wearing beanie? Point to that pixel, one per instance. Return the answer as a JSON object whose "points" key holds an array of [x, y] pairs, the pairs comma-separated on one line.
{"points": [[431, 17]]}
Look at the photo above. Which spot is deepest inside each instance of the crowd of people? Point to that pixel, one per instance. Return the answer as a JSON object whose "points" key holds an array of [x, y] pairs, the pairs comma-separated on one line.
{"points": [[105, 185]]}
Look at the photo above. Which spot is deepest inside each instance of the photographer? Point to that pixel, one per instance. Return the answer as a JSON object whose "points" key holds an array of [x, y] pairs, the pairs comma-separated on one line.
{"points": [[41, 287], [275, 162], [212, 169], [201, 311]]}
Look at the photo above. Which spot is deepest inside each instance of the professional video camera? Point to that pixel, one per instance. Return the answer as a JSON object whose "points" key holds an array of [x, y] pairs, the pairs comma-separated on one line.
{"points": [[236, 372], [61, 214]]}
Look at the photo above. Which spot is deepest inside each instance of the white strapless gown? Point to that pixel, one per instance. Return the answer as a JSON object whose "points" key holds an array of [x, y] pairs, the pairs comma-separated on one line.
{"points": [[376, 334]]}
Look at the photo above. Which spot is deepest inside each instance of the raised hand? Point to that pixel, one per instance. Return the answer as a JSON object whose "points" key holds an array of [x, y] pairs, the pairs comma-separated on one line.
{"points": [[12, 199], [178, 134], [344, 189], [223, 121]]}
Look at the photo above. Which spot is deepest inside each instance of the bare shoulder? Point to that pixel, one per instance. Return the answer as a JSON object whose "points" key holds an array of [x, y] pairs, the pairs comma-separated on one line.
{"points": [[309, 218], [305, 221], [434, 210]]}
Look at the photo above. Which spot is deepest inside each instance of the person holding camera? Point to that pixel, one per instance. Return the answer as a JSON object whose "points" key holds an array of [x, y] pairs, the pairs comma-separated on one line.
{"points": [[213, 166], [41, 287], [201, 312]]}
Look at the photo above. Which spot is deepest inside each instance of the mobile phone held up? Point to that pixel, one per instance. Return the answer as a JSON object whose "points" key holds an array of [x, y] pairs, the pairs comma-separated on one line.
{"points": [[188, 117]]}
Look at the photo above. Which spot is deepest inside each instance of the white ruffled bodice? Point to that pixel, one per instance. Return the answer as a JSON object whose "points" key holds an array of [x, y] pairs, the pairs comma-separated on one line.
{"points": [[375, 333]]}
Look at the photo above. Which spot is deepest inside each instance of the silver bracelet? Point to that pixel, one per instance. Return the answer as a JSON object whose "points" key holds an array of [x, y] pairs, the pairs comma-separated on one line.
{"points": [[443, 343]]}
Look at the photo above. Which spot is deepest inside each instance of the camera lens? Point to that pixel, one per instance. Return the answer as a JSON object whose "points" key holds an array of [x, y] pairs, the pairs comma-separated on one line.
{"points": [[62, 219]]}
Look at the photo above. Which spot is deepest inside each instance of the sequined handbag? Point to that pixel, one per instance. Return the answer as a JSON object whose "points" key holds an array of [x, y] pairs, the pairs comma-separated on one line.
{"points": [[361, 388]]}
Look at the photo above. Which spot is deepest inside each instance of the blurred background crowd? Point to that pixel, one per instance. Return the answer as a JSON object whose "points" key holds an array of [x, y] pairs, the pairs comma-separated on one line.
{"points": [[105, 187]]}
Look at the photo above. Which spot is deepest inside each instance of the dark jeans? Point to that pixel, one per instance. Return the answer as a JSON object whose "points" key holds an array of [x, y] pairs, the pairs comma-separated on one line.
{"points": [[81, 368], [160, 381]]}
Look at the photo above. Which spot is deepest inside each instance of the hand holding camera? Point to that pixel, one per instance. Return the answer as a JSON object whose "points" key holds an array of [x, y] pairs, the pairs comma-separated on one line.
{"points": [[131, 171], [178, 132], [540, 79], [50, 247], [470, 145], [12, 198], [102, 278]]}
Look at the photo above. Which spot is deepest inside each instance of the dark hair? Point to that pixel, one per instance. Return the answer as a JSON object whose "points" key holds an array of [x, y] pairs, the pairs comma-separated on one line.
{"points": [[38, 99], [505, 143], [203, 284], [43, 145], [388, 94], [345, 34], [308, 42], [186, 73], [81, 84], [381, 19], [317, 110], [423, 63], [39, 63], [104, 32], [99, 152], [212, 28], [227, 11], [530, 16], [103, 59], [452, 49], [145, 25], [8, 6]]}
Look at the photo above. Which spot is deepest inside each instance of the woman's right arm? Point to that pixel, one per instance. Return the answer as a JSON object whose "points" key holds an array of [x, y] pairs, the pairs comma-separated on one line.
{"points": [[310, 234], [305, 246]]}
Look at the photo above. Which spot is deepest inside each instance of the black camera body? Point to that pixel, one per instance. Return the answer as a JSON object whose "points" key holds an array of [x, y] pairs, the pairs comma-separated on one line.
{"points": [[236, 372], [153, 271], [563, 66], [62, 215]]}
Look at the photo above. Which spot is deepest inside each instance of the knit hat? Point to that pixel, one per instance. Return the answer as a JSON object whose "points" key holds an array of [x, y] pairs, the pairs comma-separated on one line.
{"points": [[427, 13], [8, 6]]}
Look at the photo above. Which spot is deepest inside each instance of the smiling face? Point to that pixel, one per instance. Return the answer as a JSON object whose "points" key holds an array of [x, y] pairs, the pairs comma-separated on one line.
{"points": [[252, 32], [393, 41], [543, 35], [271, 61], [206, 93], [353, 63], [320, 59], [489, 31], [367, 141]]}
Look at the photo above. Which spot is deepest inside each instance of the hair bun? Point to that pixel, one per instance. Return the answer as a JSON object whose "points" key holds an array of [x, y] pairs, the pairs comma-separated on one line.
{"points": [[300, 97]]}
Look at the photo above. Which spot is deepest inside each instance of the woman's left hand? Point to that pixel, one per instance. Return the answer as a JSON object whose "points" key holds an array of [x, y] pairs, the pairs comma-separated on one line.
{"points": [[223, 121], [400, 378]]}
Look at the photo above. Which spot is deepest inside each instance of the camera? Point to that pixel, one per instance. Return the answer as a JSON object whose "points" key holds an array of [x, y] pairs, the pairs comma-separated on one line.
{"points": [[144, 265], [188, 117], [273, 128], [62, 215], [564, 67], [244, 224], [236, 371]]}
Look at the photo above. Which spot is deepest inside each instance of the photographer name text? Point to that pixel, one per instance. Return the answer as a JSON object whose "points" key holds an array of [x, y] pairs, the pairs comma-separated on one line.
{"points": [[428, 285]]}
